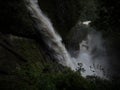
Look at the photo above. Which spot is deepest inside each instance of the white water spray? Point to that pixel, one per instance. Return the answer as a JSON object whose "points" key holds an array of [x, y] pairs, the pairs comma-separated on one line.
{"points": [[93, 56], [54, 42]]}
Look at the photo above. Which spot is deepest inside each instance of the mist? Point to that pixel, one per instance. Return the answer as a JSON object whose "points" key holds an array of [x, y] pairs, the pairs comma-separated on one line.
{"points": [[91, 53]]}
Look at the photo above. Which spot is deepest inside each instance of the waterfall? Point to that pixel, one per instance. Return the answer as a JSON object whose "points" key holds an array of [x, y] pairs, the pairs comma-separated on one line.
{"points": [[51, 38], [91, 51]]}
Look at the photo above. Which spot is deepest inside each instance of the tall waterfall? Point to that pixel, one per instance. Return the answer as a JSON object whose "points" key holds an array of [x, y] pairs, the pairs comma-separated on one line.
{"points": [[89, 48], [51, 38]]}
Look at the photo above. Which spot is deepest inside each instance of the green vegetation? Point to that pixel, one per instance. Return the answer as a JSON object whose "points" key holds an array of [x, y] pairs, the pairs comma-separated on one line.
{"points": [[31, 76]]}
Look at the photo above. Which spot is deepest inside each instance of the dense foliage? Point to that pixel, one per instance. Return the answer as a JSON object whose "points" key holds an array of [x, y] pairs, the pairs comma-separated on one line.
{"points": [[66, 13], [50, 77]]}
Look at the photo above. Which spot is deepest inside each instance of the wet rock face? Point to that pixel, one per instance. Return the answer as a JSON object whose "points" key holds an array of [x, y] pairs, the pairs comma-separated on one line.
{"points": [[8, 61], [16, 51], [75, 37]]}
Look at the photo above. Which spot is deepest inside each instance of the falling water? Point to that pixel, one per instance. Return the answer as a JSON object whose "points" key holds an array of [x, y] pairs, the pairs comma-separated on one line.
{"points": [[89, 48], [51, 38]]}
